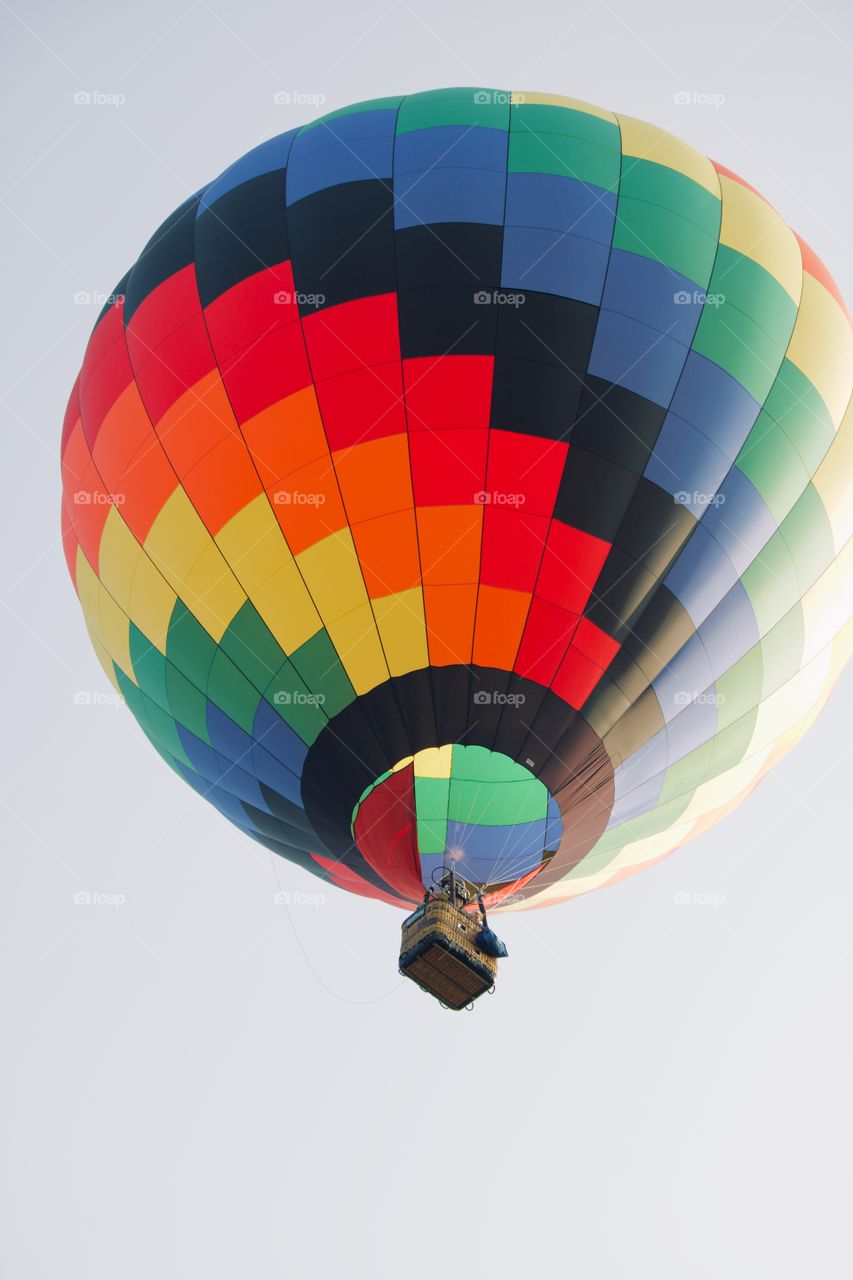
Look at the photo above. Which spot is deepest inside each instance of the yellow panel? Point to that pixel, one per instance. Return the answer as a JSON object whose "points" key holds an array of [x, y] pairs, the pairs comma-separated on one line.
{"points": [[253, 544], [114, 627], [726, 787], [152, 603], [357, 641], [287, 609], [104, 658], [521, 97], [176, 539], [88, 591], [401, 764], [821, 346], [402, 629], [649, 142], [211, 592], [753, 227], [434, 762], [332, 574], [778, 713], [831, 480], [118, 557]]}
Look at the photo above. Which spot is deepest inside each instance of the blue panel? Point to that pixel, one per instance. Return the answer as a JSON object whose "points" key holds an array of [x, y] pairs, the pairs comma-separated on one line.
{"points": [[200, 755], [685, 677], [742, 524], [635, 356], [696, 725], [654, 294], [731, 631], [716, 403], [552, 262], [560, 204], [263, 159], [701, 575], [272, 774], [345, 130], [240, 783], [451, 147], [357, 161], [278, 738], [646, 762], [449, 195], [686, 464], [227, 804], [226, 736], [636, 802]]}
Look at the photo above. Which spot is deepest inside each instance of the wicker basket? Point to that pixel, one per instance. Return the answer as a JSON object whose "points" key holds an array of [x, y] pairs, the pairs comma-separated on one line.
{"points": [[440, 954]]}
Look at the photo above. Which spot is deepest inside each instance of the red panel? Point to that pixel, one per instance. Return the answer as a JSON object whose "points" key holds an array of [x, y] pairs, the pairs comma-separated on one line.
{"points": [[448, 391], [547, 634], [275, 367], [448, 467], [352, 335], [595, 643], [816, 267], [99, 394], [386, 833], [570, 566], [251, 309], [577, 677], [362, 405], [527, 467], [165, 309], [182, 358], [512, 548], [69, 542]]}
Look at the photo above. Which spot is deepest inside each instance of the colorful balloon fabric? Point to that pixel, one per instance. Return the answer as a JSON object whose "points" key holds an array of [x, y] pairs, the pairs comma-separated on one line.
{"points": [[467, 476]]}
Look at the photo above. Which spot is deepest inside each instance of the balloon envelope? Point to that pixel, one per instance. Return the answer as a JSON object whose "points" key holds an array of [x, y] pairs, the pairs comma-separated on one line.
{"points": [[466, 477]]}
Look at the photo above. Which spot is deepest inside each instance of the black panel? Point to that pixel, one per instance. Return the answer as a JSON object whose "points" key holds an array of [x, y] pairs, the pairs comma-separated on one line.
{"points": [[343, 270], [622, 588], [617, 423], [435, 322], [546, 329], [461, 254], [235, 240], [594, 494], [534, 398], [170, 249], [655, 527], [343, 212]]}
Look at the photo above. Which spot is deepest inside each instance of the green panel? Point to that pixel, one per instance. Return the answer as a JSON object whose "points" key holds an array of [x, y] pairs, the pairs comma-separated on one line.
{"points": [[749, 288], [661, 186], [189, 646], [739, 689], [730, 746], [432, 835], [737, 344], [454, 106], [149, 666], [771, 583], [288, 695], [782, 651], [612, 842], [770, 461], [568, 157], [665, 237], [491, 805], [479, 764], [808, 536], [186, 703], [540, 117], [229, 690], [431, 797], [687, 774], [799, 409], [318, 663], [358, 108], [252, 647]]}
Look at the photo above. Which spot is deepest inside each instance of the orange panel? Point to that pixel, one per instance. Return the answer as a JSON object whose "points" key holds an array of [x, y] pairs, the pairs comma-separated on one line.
{"points": [[286, 436], [308, 505], [196, 422], [450, 623], [387, 548], [501, 614], [145, 486], [450, 540], [375, 477], [222, 483]]}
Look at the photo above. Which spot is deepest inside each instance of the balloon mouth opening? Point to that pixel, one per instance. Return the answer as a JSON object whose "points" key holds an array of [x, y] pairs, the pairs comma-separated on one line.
{"points": [[466, 807]]}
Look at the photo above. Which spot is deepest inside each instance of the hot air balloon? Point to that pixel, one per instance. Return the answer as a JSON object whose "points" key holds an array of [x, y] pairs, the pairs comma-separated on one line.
{"points": [[459, 487]]}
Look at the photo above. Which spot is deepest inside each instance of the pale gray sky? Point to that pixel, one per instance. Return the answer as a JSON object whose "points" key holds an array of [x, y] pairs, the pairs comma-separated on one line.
{"points": [[200, 1082]]}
